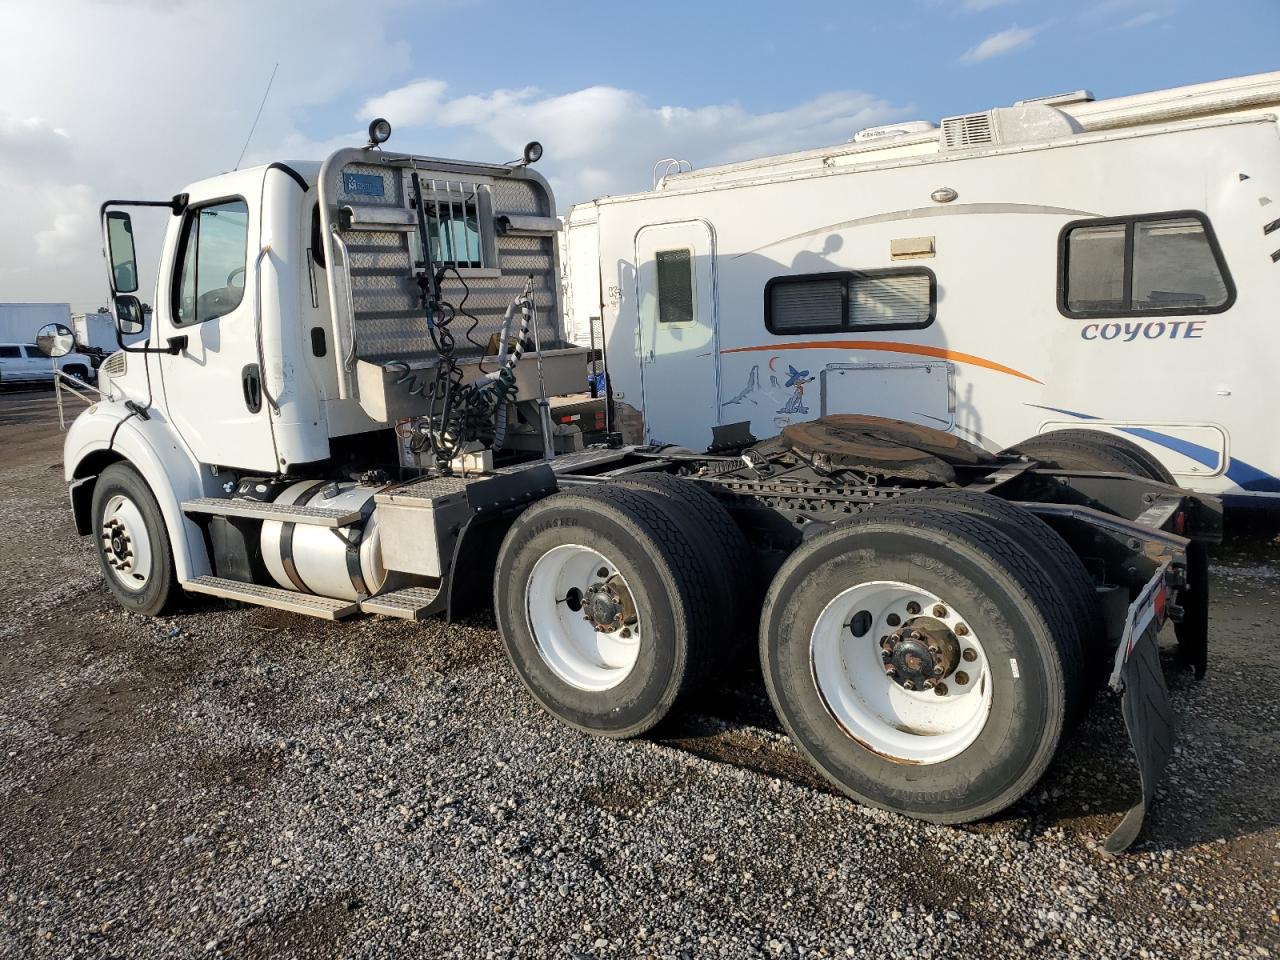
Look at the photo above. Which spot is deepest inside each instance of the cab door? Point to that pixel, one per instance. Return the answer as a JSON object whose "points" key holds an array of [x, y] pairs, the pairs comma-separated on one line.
{"points": [[208, 315], [679, 359]]}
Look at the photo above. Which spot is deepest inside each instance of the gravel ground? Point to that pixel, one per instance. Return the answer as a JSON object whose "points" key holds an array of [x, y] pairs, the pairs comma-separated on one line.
{"points": [[248, 783]]}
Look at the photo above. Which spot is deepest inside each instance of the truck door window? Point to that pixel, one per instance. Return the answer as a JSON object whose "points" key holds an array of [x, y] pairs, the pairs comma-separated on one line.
{"points": [[675, 286], [213, 254], [1165, 263]]}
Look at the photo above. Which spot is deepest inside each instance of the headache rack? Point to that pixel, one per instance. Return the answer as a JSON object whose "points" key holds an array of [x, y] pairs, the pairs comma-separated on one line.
{"points": [[491, 230]]}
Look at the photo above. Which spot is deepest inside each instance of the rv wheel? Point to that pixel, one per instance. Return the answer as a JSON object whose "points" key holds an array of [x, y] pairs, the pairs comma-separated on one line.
{"points": [[133, 545], [922, 662], [1093, 450], [605, 605]]}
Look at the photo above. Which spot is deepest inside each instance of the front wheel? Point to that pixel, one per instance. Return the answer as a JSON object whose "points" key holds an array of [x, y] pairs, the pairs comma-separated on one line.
{"points": [[132, 542], [921, 662]]}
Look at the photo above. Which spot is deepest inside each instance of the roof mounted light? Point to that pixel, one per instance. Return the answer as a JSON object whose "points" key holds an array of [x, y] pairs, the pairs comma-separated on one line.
{"points": [[532, 152], [379, 132]]}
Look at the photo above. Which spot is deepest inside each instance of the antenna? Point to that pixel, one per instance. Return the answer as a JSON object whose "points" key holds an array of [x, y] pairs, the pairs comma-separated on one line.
{"points": [[256, 116]]}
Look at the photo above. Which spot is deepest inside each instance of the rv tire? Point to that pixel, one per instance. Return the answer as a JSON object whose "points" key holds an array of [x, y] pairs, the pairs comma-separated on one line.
{"points": [[1148, 464], [883, 746]]}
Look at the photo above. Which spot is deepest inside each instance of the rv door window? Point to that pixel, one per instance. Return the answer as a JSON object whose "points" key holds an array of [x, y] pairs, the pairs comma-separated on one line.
{"points": [[894, 299], [1137, 266], [675, 286]]}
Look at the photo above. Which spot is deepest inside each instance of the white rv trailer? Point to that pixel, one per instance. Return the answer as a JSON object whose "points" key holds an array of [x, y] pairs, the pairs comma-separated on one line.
{"points": [[1062, 263]]}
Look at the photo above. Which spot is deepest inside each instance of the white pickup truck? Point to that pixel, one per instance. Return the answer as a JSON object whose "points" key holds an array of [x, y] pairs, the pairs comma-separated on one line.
{"points": [[24, 363]]}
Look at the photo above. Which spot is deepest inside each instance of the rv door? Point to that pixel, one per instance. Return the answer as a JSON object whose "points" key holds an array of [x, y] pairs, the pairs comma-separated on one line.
{"points": [[679, 359]]}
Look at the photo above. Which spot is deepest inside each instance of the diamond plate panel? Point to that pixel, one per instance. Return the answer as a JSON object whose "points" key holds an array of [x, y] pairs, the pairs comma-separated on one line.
{"points": [[519, 196], [393, 195]]}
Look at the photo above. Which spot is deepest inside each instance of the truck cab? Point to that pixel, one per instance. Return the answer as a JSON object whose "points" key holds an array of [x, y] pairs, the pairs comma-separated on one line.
{"points": [[290, 340]]}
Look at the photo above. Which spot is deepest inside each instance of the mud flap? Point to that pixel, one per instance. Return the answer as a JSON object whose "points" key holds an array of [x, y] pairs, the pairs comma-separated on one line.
{"points": [[1148, 713]]}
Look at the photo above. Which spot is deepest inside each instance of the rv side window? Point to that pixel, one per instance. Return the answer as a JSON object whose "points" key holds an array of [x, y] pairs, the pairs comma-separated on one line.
{"points": [[893, 299], [675, 286], [1138, 266]]}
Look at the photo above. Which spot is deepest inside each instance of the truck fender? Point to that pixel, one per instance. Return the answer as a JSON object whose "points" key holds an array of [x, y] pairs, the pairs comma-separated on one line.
{"points": [[469, 582], [109, 433]]}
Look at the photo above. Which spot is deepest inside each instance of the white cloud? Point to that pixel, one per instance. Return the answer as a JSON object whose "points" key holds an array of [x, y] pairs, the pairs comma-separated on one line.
{"points": [[169, 103], [1130, 14], [173, 100], [603, 139], [998, 44], [978, 6]]}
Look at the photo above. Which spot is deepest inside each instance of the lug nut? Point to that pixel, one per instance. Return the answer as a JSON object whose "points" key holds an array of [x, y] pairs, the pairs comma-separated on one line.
{"points": [[890, 670], [908, 685], [970, 654], [961, 630], [937, 671], [961, 677], [939, 611], [913, 608], [930, 683], [940, 689], [626, 633]]}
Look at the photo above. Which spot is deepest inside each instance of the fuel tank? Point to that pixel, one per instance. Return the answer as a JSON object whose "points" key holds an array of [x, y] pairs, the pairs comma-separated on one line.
{"points": [[343, 562]]}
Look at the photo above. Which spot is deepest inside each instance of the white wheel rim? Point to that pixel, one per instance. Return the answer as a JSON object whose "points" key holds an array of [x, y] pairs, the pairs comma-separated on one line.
{"points": [[918, 726], [125, 543], [568, 642]]}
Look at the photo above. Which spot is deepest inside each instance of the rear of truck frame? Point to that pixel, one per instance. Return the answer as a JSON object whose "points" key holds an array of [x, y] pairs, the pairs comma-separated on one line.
{"points": [[315, 421]]}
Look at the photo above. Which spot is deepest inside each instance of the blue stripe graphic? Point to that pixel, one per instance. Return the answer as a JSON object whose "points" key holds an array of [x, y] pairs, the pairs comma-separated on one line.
{"points": [[1244, 475]]}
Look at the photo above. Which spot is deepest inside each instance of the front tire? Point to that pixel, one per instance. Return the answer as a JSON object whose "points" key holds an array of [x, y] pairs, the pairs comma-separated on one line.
{"points": [[132, 542], [962, 586]]}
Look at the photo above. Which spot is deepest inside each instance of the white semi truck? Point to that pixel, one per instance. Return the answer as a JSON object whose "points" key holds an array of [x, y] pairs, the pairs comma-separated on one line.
{"points": [[354, 397]]}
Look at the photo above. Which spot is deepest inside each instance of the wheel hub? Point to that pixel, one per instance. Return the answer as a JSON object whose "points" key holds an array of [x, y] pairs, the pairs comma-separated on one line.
{"points": [[920, 654], [607, 605], [118, 542]]}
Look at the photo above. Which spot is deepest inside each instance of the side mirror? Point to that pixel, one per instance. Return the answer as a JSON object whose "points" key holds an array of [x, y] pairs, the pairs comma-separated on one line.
{"points": [[129, 317], [124, 262], [55, 340]]}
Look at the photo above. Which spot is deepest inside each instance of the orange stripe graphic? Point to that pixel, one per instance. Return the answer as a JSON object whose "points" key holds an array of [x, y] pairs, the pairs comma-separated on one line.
{"points": [[888, 346]]}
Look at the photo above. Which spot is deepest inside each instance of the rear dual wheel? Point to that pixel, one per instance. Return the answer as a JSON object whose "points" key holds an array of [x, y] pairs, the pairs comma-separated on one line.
{"points": [[613, 603], [922, 660]]}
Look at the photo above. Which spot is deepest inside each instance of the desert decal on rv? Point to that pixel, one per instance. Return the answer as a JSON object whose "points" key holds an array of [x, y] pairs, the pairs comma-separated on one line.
{"points": [[1151, 330]]}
